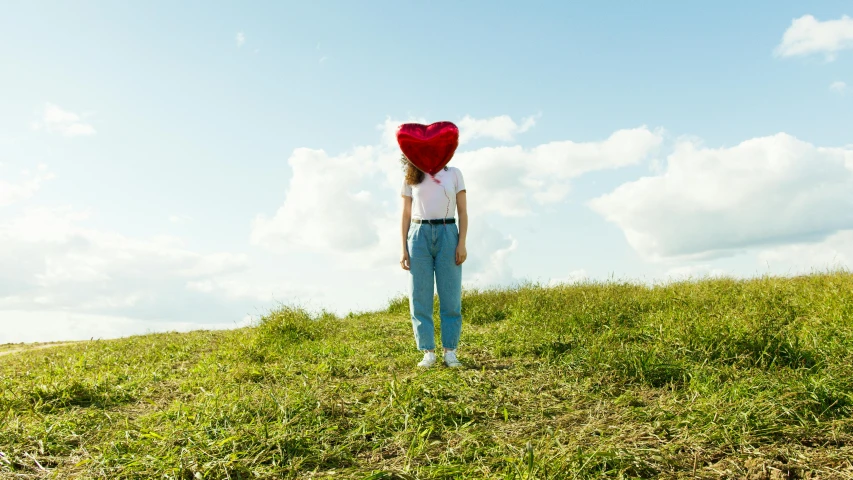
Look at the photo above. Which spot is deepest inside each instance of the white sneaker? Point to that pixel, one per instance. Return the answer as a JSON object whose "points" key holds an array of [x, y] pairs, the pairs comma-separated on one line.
{"points": [[450, 359], [428, 361]]}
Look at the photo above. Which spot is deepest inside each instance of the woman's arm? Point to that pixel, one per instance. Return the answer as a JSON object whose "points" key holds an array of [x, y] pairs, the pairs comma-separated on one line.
{"points": [[462, 211], [405, 224]]}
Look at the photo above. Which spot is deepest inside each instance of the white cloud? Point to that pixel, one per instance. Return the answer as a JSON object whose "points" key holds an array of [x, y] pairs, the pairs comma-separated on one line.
{"points": [[216, 264], [497, 271], [236, 288], [323, 59], [838, 87], [57, 325], [489, 251], [836, 251], [330, 204], [711, 202], [573, 277], [240, 39], [807, 36], [501, 128], [179, 219], [687, 272], [51, 260], [14, 192], [510, 180], [56, 120]]}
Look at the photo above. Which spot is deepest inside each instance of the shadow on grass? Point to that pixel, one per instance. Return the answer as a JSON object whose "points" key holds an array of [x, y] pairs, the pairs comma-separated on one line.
{"points": [[46, 398]]}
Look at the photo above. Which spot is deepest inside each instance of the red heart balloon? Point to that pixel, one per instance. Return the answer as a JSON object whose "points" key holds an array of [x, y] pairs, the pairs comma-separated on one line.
{"points": [[428, 147]]}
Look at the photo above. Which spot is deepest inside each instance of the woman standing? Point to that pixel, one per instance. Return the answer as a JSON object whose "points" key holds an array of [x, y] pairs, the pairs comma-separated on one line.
{"points": [[433, 247]]}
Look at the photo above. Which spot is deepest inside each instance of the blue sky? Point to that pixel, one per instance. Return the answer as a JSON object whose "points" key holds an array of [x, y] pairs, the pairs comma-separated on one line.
{"points": [[174, 166]]}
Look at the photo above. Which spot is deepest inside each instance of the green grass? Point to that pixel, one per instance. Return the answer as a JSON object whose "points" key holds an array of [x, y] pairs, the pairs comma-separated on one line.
{"points": [[710, 379]]}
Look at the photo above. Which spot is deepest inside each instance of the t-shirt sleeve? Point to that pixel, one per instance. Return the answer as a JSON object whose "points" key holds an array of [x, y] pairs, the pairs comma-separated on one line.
{"points": [[460, 181], [406, 189]]}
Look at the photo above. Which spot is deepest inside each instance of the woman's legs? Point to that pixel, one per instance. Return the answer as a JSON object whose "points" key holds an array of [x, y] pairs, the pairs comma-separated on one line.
{"points": [[448, 280], [421, 285]]}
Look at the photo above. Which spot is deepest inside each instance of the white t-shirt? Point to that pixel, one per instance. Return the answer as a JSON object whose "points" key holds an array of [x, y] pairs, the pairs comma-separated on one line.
{"points": [[433, 199]]}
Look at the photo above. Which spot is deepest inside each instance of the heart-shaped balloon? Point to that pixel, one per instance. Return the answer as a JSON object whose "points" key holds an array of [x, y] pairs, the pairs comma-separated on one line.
{"points": [[428, 147]]}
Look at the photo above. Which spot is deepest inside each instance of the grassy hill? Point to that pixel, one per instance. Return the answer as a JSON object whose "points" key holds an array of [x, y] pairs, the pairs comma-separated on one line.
{"points": [[709, 379]]}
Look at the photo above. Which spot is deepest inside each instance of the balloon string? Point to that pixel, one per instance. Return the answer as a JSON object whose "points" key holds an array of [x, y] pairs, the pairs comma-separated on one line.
{"points": [[447, 209]]}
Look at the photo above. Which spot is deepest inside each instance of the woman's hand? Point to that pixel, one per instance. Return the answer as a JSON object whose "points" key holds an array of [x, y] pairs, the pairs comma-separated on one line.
{"points": [[462, 210], [461, 253], [404, 230]]}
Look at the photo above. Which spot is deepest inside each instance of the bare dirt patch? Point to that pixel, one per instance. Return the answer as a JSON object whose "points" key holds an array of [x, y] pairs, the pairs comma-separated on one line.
{"points": [[10, 349]]}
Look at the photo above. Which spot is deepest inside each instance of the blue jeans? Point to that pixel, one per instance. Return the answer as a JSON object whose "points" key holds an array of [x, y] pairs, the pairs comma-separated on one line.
{"points": [[432, 253]]}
